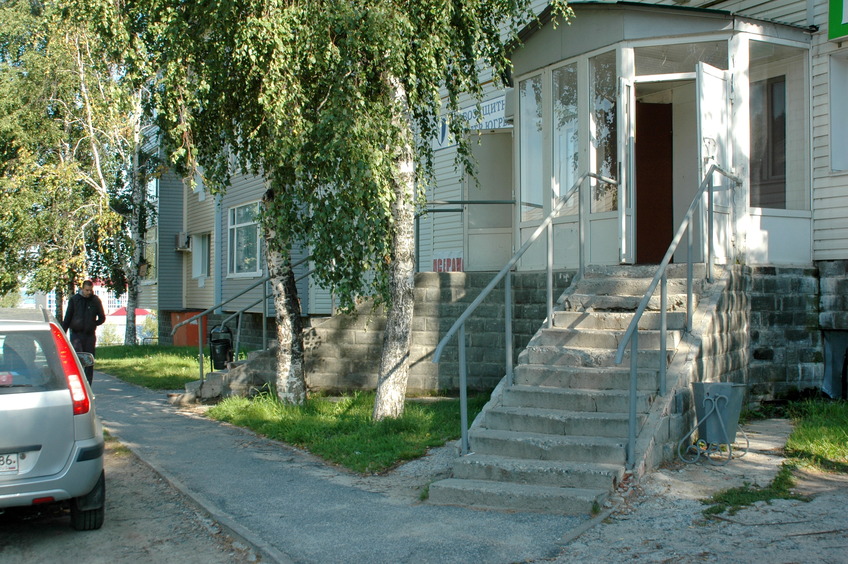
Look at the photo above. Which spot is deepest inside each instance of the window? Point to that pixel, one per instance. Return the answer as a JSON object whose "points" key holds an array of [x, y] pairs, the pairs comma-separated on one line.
{"points": [[244, 240], [566, 134], [768, 143], [680, 57], [200, 255], [779, 123], [604, 150], [530, 131]]}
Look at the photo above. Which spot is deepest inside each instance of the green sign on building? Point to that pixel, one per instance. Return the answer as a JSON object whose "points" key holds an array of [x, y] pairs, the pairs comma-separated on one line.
{"points": [[837, 24]]}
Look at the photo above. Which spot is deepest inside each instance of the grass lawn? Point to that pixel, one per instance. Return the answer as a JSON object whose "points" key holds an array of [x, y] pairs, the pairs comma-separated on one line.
{"points": [[819, 441], [152, 366], [340, 430]]}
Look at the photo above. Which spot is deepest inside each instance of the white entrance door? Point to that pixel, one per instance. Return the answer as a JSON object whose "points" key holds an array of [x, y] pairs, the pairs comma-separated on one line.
{"points": [[488, 227], [714, 147]]}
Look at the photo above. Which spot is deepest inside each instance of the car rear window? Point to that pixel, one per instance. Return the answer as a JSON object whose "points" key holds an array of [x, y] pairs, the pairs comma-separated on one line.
{"points": [[29, 363]]}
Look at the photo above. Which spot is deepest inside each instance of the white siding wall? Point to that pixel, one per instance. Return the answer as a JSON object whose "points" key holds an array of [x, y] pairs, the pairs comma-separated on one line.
{"points": [[443, 233], [830, 188], [200, 218]]}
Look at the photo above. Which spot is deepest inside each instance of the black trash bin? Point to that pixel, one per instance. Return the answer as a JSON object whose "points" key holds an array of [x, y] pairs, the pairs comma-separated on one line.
{"points": [[220, 347]]}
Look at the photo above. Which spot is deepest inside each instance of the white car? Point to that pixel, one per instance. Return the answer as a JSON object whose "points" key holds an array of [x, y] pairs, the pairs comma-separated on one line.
{"points": [[51, 441]]}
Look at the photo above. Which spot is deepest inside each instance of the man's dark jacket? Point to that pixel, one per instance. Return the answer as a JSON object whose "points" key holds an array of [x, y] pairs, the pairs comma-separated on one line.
{"points": [[83, 314]]}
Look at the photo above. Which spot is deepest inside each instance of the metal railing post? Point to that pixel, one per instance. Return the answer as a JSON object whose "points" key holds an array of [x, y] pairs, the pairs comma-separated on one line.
{"points": [[631, 427], [265, 315], [663, 330], [689, 279], [710, 254], [463, 391], [508, 330], [580, 233], [200, 347], [550, 275]]}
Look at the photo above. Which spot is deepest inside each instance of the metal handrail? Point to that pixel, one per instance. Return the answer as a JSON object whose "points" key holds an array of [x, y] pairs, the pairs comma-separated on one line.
{"points": [[240, 312], [207, 311], [505, 272], [631, 335]]}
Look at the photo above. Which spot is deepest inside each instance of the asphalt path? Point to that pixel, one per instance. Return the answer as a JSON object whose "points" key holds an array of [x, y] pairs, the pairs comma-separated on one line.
{"points": [[291, 507]]}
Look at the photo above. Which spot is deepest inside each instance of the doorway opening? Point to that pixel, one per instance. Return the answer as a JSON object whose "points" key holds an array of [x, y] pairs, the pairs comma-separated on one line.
{"points": [[666, 163]]}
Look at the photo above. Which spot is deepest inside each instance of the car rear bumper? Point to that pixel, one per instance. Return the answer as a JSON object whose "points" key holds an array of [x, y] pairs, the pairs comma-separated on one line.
{"points": [[77, 478]]}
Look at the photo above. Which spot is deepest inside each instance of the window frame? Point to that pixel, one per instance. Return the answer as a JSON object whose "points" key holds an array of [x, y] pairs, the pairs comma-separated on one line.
{"points": [[233, 238]]}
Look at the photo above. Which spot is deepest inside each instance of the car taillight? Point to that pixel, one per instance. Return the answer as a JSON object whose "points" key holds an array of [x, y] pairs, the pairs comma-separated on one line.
{"points": [[79, 395]]}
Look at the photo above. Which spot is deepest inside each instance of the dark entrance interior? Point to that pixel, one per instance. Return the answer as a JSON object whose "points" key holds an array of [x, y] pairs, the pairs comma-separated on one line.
{"points": [[654, 181]]}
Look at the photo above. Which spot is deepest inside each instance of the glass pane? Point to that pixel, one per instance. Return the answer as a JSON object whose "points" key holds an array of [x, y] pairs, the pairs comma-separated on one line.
{"points": [[605, 139], [779, 125], [246, 214], [246, 249], [29, 363], [566, 135], [530, 108], [670, 59]]}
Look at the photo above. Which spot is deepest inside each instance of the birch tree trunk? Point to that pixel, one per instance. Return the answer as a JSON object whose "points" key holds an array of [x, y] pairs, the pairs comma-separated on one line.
{"points": [[290, 379], [137, 195], [394, 362]]}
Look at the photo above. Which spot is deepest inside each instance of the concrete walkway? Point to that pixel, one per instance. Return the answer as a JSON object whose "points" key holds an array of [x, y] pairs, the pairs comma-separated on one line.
{"points": [[292, 508]]}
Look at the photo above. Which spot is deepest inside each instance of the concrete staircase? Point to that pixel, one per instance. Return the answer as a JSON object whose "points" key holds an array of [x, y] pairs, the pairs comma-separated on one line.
{"points": [[555, 440]]}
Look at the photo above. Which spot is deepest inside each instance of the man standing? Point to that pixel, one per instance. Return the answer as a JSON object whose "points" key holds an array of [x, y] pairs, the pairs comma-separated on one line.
{"points": [[84, 314]]}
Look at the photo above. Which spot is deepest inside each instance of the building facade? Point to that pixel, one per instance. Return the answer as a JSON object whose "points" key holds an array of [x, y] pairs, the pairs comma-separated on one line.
{"points": [[612, 123]]}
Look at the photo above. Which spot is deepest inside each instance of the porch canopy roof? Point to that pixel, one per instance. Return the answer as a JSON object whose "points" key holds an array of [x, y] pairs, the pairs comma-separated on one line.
{"points": [[603, 24]]}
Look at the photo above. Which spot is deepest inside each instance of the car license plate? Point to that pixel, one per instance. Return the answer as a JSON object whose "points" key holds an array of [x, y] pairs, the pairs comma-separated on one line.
{"points": [[9, 463]]}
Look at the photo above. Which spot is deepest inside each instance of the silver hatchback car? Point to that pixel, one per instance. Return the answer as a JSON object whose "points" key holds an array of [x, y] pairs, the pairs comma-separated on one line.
{"points": [[51, 441]]}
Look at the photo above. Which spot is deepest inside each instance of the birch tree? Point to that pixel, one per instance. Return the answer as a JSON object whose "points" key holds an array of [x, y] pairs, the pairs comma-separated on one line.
{"points": [[335, 103], [75, 171]]}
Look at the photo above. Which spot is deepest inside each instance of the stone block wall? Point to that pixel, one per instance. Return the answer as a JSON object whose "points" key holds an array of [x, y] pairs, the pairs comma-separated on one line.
{"points": [[343, 352], [833, 319], [833, 308], [724, 353], [786, 339]]}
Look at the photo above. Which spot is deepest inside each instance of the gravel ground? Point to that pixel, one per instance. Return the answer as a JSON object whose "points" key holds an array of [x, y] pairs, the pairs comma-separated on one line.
{"points": [[147, 521], [662, 519]]}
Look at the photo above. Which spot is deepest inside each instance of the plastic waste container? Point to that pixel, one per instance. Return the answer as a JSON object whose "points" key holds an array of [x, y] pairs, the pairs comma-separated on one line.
{"points": [[220, 346], [714, 400]]}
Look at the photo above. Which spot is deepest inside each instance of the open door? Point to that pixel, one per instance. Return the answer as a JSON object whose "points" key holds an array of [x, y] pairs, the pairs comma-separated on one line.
{"points": [[714, 147], [626, 173]]}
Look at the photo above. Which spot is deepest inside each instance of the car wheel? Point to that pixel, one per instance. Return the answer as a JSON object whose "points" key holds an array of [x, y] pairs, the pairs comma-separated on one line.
{"points": [[83, 516]]}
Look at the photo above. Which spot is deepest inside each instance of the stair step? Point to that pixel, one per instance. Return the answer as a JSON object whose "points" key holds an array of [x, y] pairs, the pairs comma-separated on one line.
{"points": [[597, 401], [558, 422], [633, 286], [602, 338], [650, 320], [674, 270], [554, 473], [581, 356], [585, 377], [615, 303], [539, 446], [524, 497]]}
